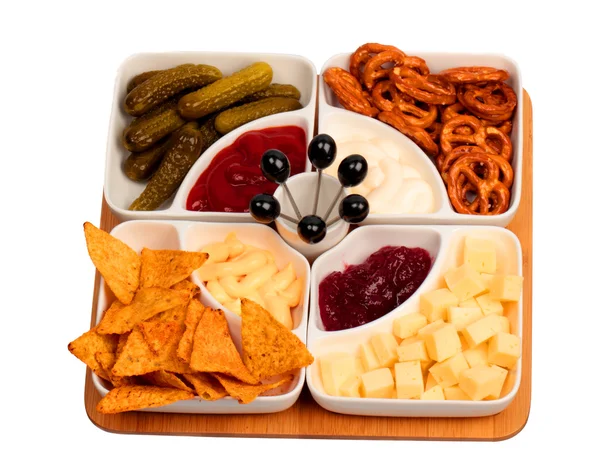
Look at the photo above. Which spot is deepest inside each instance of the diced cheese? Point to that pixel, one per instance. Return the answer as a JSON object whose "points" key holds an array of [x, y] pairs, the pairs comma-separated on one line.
{"points": [[460, 317], [368, 357], [336, 368], [480, 254], [408, 325], [465, 282], [447, 373], [478, 382], [411, 340], [483, 329], [351, 387], [409, 380], [435, 393], [377, 384], [504, 349], [430, 382], [477, 356], [469, 302], [426, 364], [425, 331], [487, 279], [489, 305], [385, 345], [435, 303], [501, 375], [463, 342], [413, 351], [360, 368], [506, 287], [455, 393], [443, 343]]}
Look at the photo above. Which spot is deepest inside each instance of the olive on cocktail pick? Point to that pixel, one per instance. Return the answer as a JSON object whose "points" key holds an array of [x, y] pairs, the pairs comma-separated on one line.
{"points": [[353, 209], [265, 209], [275, 167], [351, 172], [312, 229], [321, 153]]}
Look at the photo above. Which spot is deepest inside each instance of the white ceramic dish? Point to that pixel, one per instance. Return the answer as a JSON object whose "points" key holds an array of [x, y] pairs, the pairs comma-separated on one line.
{"points": [[332, 117], [120, 191], [191, 236], [445, 243]]}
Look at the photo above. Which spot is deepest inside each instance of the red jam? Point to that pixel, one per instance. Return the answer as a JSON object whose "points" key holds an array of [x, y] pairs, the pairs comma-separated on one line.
{"points": [[365, 292], [234, 175]]}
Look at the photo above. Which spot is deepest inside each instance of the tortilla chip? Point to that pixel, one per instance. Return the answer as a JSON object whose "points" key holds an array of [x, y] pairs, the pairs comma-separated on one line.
{"points": [[165, 268], [157, 334], [213, 349], [117, 262], [172, 315], [121, 343], [107, 361], [269, 347], [246, 393], [135, 397], [147, 303], [186, 285], [166, 379], [88, 344], [138, 359], [192, 318], [206, 386]]}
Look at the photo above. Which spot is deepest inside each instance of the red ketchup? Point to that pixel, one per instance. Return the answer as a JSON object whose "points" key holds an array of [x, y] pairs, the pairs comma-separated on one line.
{"points": [[234, 175], [365, 292]]}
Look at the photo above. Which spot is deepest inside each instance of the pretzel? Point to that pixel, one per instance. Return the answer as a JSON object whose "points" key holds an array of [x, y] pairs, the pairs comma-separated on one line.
{"points": [[413, 115], [453, 132], [444, 162], [459, 75], [494, 101], [418, 135], [431, 89], [434, 131], [417, 64], [502, 146], [457, 109], [386, 87], [363, 54], [349, 91], [374, 70], [492, 197]]}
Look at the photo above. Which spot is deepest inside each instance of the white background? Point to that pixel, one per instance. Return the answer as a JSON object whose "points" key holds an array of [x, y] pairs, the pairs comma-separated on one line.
{"points": [[58, 64]]}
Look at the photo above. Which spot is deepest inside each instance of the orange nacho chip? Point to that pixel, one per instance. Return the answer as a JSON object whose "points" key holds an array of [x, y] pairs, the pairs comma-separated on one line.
{"points": [[270, 348], [116, 261], [206, 386], [158, 334], [166, 379], [88, 344], [135, 397], [107, 362], [186, 285], [213, 349], [165, 268], [148, 302], [246, 393], [192, 318]]}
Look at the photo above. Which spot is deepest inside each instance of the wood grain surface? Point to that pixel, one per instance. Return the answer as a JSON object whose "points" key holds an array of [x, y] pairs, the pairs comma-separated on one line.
{"points": [[306, 419]]}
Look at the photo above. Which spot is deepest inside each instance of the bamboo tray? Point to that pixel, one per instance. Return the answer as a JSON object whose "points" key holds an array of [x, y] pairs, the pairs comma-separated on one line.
{"points": [[306, 419]]}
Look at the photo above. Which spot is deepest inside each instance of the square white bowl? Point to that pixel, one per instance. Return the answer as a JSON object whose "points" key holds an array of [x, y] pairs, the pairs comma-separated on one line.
{"points": [[446, 246], [120, 191], [330, 109], [192, 236]]}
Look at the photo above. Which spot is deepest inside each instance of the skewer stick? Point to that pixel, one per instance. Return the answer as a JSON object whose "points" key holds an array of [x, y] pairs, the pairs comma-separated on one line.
{"points": [[330, 209], [318, 191], [292, 201]]}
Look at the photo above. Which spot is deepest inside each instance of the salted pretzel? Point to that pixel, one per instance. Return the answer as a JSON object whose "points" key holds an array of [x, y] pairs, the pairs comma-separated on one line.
{"points": [[417, 64], [493, 101], [431, 89], [386, 88], [374, 70], [460, 75], [349, 91], [444, 162], [492, 197], [418, 135], [485, 136], [453, 132], [414, 115], [434, 131], [365, 52]]}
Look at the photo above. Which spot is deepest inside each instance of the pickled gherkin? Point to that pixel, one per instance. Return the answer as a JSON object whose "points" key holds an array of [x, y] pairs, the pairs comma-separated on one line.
{"points": [[140, 166], [166, 84], [182, 150], [272, 91], [209, 133], [141, 78]]}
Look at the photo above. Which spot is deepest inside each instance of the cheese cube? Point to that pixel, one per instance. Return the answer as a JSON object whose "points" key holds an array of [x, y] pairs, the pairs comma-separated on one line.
{"points": [[435, 303], [430, 382], [455, 393], [487, 279], [411, 340], [501, 375], [506, 287], [443, 343], [385, 345], [464, 345], [478, 382], [483, 329], [435, 393], [408, 325], [425, 331], [368, 358], [504, 350], [469, 302], [336, 368], [351, 387], [480, 254], [460, 317], [377, 384], [426, 364], [409, 380], [465, 282], [489, 305], [447, 373], [477, 356], [360, 368], [413, 351]]}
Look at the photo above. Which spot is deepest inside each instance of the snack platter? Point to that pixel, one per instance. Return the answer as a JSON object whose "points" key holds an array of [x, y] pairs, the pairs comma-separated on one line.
{"points": [[463, 334]]}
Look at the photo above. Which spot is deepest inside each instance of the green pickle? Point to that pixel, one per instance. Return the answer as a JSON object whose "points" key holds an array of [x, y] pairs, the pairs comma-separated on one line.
{"points": [[153, 126], [230, 119], [140, 166], [182, 150], [166, 84], [226, 91], [272, 91], [209, 133], [141, 78]]}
